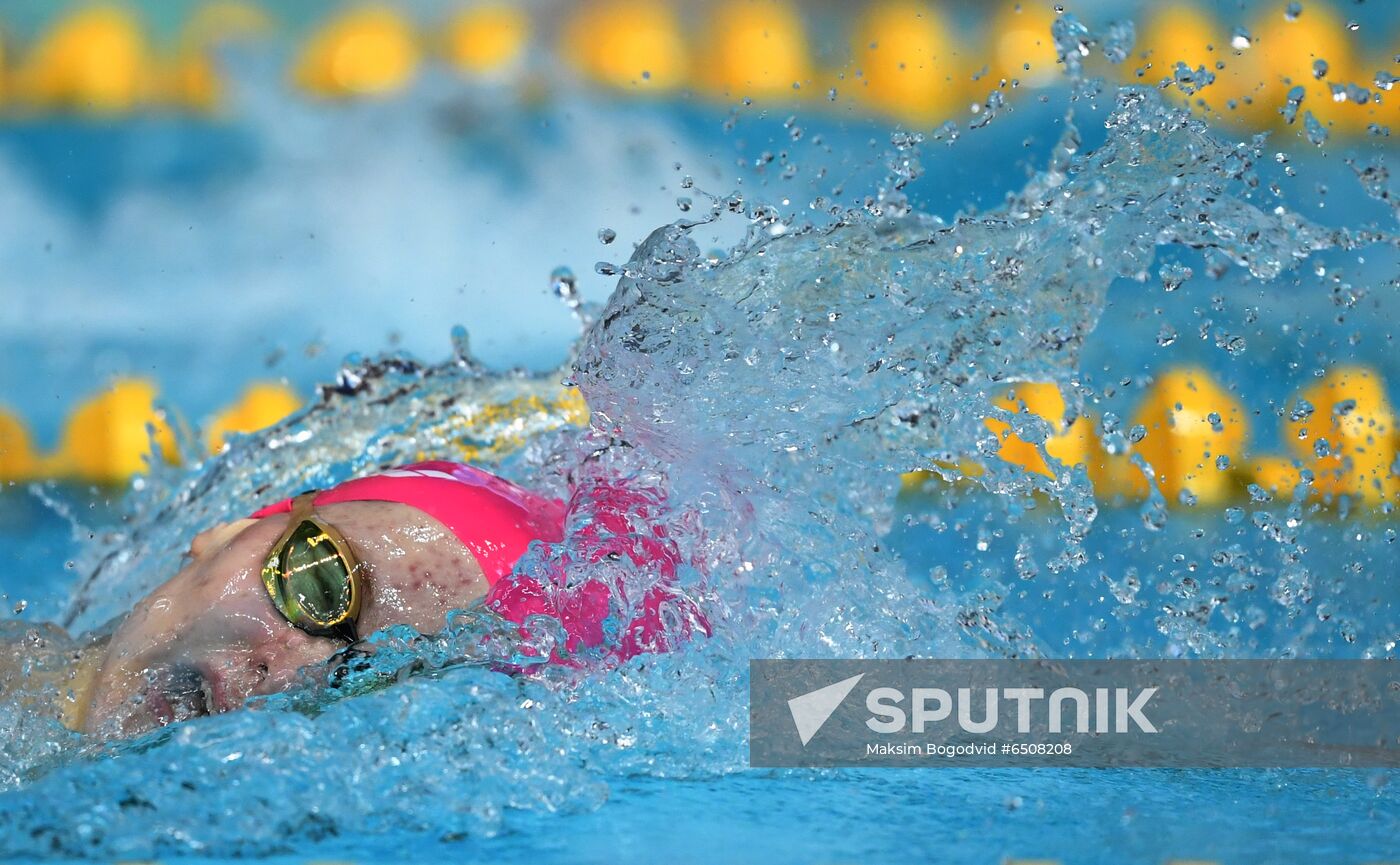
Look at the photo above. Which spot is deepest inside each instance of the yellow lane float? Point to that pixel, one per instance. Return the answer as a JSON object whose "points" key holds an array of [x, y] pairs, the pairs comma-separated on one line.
{"points": [[486, 39], [635, 44], [368, 51], [95, 60], [1196, 432], [907, 63], [261, 405], [1348, 440], [1277, 475], [756, 48], [1312, 50], [1069, 443], [1184, 33], [190, 78], [108, 439]]}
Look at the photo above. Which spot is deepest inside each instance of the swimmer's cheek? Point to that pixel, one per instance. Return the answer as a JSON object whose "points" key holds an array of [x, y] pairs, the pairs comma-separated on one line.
{"points": [[218, 537]]}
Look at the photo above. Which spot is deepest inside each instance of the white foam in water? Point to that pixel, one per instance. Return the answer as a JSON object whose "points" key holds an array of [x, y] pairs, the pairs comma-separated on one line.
{"points": [[767, 399]]}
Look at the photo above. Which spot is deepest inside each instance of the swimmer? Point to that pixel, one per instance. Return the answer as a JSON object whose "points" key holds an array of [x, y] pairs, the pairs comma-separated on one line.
{"points": [[297, 581]]}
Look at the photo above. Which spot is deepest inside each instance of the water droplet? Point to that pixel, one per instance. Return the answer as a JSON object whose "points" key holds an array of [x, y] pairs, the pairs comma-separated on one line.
{"points": [[1240, 40], [1173, 274], [1314, 130], [20, 606], [1118, 41], [831, 95], [605, 268], [606, 235], [1293, 11], [1189, 80], [1292, 102], [1319, 69], [461, 343], [1137, 433]]}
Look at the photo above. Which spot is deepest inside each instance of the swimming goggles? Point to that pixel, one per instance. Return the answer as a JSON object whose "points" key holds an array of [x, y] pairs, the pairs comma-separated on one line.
{"points": [[311, 575]]}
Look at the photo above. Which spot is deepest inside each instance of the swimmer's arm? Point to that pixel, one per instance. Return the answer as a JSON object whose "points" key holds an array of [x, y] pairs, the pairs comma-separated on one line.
{"points": [[68, 687]]}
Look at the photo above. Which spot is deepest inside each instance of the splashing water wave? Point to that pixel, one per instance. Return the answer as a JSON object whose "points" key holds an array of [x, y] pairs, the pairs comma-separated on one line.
{"points": [[762, 406]]}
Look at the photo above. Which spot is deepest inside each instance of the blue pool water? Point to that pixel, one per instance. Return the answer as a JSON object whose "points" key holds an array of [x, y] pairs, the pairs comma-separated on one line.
{"points": [[775, 399]]}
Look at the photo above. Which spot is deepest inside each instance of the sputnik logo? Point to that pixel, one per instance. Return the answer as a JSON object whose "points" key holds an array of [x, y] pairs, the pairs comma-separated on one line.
{"points": [[811, 710]]}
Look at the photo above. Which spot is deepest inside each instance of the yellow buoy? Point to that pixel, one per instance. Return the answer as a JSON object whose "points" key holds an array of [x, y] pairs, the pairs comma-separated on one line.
{"points": [[261, 405], [18, 462], [367, 51], [1349, 438], [755, 48], [108, 438], [94, 60], [627, 43], [1192, 423], [907, 62], [1021, 46], [486, 39], [1068, 443]]}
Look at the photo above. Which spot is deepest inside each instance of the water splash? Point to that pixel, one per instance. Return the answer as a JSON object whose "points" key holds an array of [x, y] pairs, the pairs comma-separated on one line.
{"points": [[763, 404]]}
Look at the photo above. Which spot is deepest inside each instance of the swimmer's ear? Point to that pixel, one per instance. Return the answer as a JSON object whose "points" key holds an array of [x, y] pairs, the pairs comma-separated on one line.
{"points": [[217, 537]]}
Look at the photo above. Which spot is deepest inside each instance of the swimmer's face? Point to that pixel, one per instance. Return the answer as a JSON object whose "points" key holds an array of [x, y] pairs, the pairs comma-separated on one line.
{"points": [[210, 637]]}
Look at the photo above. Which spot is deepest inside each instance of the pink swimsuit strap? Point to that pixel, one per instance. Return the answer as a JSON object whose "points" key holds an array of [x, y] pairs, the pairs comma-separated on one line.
{"points": [[494, 519]]}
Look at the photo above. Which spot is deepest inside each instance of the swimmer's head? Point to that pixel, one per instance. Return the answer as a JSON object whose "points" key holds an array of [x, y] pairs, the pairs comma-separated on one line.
{"points": [[211, 637]]}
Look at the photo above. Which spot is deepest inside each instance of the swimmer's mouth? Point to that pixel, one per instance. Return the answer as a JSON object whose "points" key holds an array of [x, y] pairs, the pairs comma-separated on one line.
{"points": [[184, 691]]}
